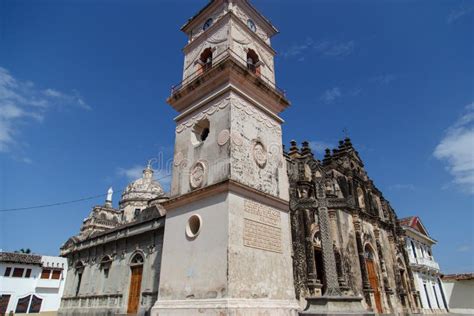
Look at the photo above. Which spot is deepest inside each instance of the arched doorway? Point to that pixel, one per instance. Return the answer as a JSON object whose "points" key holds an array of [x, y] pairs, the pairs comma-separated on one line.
{"points": [[372, 274], [136, 266]]}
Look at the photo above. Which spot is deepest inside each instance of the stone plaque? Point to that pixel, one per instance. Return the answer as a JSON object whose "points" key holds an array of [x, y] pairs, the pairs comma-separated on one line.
{"points": [[262, 227]]}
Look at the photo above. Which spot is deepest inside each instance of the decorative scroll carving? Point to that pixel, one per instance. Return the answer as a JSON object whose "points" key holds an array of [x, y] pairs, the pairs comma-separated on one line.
{"points": [[223, 137], [260, 154], [222, 104], [257, 114]]}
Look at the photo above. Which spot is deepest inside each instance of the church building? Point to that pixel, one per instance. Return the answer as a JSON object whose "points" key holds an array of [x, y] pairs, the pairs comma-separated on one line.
{"points": [[247, 228]]}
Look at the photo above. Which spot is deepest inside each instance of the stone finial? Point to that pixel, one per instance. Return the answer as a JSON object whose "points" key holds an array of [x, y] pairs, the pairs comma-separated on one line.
{"points": [[347, 142], [294, 150], [148, 171], [305, 150]]}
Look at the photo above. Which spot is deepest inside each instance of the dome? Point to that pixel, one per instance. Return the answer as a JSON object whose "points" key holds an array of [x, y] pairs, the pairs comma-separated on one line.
{"points": [[143, 189]]}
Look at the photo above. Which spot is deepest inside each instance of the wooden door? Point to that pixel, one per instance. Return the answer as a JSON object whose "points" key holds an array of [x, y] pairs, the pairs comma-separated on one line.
{"points": [[135, 289], [374, 284]]}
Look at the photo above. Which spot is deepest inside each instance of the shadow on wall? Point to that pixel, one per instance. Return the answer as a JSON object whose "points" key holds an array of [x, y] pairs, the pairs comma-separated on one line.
{"points": [[462, 296]]}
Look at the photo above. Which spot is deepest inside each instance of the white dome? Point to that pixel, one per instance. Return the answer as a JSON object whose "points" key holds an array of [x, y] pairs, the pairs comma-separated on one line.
{"points": [[143, 189]]}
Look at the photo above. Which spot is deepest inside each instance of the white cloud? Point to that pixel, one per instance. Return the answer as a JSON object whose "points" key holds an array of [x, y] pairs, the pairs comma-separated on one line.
{"points": [[21, 101], [457, 150], [331, 95], [458, 13], [135, 172], [323, 48], [319, 147], [334, 48], [132, 173], [463, 248]]}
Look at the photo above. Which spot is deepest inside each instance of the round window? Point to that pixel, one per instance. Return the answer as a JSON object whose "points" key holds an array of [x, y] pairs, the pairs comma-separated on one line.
{"points": [[251, 25], [207, 24], [194, 226]]}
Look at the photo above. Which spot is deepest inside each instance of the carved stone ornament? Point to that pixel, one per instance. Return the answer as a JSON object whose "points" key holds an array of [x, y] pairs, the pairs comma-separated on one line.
{"points": [[223, 137], [237, 139], [222, 104], [178, 159], [197, 175], [260, 154]]}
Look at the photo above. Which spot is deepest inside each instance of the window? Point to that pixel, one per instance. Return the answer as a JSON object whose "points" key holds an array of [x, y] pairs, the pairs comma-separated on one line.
{"points": [[4, 300], [28, 273], [8, 270], [251, 25], [22, 305], [413, 248], [79, 279], [18, 272], [137, 259], [137, 212], [207, 24], [45, 273], [35, 306], [105, 263], [56, 275]]}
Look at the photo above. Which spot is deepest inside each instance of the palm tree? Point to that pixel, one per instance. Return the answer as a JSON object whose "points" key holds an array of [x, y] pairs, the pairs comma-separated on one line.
{"points": [[27, 250]]}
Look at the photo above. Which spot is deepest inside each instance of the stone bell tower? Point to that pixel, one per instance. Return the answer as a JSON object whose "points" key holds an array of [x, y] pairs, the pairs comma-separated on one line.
{"points": [[227, 246]]}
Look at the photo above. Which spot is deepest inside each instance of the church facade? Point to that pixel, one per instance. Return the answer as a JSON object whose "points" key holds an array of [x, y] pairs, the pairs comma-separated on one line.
{"points": [[346, 237], [247, 228]]}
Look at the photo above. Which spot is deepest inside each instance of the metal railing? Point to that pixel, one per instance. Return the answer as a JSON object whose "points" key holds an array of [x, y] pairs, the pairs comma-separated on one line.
{"points": [[218, 60]]}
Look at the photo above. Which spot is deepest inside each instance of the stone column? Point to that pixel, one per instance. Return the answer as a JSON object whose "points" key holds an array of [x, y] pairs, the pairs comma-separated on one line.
{"points": [[335, 237], [360, 251], [310, 259], [330, 272]]}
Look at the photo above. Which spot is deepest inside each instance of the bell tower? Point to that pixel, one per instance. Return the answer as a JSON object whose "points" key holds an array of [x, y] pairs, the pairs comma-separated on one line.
{"points": [[227, 246]]}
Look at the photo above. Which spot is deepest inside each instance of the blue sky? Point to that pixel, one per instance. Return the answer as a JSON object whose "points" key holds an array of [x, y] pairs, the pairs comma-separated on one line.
{"points": [[83, 87]]}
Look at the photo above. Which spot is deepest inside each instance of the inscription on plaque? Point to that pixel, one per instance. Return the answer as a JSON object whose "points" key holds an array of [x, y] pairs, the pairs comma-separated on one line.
{"points": [[262, 227]]}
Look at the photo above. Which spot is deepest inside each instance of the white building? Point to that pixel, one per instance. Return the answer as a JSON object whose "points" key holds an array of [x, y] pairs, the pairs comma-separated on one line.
{"points": [[31, 283], [459, 292], [425, 269]]}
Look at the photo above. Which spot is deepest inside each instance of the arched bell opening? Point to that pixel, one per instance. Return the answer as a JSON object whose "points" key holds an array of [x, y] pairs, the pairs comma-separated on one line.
{"points": [[253, 62], [204, 62]]}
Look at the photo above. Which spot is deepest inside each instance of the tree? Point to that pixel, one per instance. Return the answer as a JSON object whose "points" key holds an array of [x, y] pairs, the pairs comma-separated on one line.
{"points": [[27, 250]]}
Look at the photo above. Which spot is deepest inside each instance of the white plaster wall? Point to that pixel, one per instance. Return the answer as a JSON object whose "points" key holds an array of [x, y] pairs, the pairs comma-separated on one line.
{"points": [[196, 268], [459, 295]]}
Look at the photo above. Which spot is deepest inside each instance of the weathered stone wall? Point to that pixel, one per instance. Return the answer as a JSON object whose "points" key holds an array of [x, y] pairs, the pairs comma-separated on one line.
{"points": [[257, 158], [99, 295], [259, 251], [212, 154]]}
